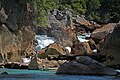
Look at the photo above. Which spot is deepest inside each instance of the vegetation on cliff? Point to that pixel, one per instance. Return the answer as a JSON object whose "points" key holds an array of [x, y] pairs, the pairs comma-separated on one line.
{"points": [[102, 11]]}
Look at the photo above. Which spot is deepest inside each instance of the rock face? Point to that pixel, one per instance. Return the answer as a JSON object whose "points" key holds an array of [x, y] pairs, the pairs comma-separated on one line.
{"points": [[84, 65], [111, 47], [61, 27], [84, 26], [17, 25], [81, 48]]}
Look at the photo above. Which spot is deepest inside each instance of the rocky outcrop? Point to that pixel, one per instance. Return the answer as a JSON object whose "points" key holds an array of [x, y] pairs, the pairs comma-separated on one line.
{"points": [[84, 65], [17, 25], [62, 28], [84, 26], [101, 33], [111, 48]]}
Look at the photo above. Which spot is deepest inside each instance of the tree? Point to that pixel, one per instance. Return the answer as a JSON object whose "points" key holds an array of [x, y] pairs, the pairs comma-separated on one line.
{"points": [[79, 6], [110, 10], [93, 7], [42, 7]]}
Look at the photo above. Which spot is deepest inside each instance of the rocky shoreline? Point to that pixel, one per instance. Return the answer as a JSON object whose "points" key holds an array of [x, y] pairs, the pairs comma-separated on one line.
{"points": [[84, 65], [23, 46]]}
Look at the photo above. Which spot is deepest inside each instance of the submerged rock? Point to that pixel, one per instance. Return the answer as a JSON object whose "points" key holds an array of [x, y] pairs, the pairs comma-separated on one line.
{"points": [[84, 65]]}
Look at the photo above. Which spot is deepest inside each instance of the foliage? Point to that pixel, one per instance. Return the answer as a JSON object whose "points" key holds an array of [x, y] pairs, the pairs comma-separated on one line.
{"points": [[96, 10], [43, 6], [112, 8]]}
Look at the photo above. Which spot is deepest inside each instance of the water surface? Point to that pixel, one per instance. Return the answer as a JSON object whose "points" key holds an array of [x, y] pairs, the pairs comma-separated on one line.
{"points": [[15, 74]]}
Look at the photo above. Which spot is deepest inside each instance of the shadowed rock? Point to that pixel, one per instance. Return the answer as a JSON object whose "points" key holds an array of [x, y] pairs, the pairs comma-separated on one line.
{"points": [[84, 65], [111, 48], [101, 33], [34, 65]]}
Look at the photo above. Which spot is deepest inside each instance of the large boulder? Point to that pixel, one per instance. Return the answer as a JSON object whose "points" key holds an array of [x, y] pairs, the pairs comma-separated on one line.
{"points": [[84, 65], [111, 47], [55, 49], [101, 33], [81, 48]]}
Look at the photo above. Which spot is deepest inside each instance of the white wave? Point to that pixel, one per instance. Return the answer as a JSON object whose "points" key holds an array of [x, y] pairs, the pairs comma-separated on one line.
{"points": [[43, 41], [83, 37], [26, 60], [68, 48]]}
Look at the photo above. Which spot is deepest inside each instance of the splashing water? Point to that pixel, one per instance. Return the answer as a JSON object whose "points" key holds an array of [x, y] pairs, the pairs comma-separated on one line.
{"points": [[43, 41], [83, 37]]}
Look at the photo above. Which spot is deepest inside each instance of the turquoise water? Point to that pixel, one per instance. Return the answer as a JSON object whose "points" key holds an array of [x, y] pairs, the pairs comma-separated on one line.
{"points": [[15, 74]]}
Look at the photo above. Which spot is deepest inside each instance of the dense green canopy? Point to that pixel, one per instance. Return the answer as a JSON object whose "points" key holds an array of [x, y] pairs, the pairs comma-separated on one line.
{"points": [[101, 11]]}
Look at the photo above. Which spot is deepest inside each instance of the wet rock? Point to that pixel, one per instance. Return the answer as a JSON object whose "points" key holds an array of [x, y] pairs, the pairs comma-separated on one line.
{"points": [[14, 65], [23, 66], [84, 65]]}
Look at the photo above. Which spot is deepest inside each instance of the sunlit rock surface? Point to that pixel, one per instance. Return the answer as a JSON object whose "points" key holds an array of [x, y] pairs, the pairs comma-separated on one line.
{"points": [[55, 49], [17, 28]]}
